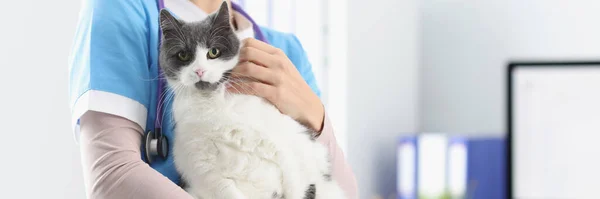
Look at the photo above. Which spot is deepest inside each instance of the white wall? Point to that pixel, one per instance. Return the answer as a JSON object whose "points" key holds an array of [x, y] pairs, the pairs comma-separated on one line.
{"points": [[39, 156], [382, 88], [466, 44]]}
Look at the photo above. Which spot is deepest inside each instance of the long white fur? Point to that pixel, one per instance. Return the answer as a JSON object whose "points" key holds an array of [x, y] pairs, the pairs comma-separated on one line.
{"points": [[231, 146]]}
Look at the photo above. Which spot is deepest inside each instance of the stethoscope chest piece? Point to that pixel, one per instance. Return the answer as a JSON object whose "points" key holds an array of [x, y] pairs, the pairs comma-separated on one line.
{"points": [[156, 144]]}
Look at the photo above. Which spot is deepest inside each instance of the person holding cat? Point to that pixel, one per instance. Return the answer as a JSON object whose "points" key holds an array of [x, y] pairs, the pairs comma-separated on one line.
{"points": [[113, 81]]}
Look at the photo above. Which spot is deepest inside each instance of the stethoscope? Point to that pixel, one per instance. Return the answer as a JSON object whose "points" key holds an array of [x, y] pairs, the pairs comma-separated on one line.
{"points": [[156, 144]]}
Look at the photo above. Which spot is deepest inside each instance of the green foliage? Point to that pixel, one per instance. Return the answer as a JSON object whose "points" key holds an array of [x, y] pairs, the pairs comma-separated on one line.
{"points": [[445, 195]]}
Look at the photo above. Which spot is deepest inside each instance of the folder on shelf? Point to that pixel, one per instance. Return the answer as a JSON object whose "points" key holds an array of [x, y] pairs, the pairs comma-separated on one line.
{"points": [[407, 168], [457, 167], [431, 165]]}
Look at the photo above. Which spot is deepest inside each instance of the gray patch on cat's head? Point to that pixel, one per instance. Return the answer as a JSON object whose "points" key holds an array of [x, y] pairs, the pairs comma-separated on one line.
{"points": [[215, 31]]}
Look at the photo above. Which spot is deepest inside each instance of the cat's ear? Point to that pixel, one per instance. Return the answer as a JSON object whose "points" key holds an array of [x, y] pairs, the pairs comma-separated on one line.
{"points": [[168, 23], [222, 16]]}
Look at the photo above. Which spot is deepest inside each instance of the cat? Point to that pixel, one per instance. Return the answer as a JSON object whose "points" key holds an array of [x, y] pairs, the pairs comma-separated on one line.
{"points": [[233, 146]]}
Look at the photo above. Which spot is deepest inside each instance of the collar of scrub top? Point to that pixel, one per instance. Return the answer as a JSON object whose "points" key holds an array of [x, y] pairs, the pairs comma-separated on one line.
{"points": [[258, 34]]}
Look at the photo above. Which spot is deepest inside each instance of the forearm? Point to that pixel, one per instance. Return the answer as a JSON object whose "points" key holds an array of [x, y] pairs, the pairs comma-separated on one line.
{"points": [[112, 164], [341, 171]]}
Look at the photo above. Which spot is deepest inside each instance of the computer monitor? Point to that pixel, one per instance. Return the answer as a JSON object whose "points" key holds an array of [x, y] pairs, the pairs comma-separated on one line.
{"points": [[553, 130]]}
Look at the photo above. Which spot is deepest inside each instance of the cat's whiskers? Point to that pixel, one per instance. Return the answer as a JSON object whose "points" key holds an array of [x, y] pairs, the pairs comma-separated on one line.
{"points": [[159, 77], [177, 47], [230, 80], [170, 21], [218, 30], [245, 87], [235, 88], [178, 90], [164, 71], [213, 38], [245, 76], [166, 97]]}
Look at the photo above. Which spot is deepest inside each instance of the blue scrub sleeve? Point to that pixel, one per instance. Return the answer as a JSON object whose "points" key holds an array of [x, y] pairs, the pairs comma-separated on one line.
{"points": [[111, 55], [300, 60]]}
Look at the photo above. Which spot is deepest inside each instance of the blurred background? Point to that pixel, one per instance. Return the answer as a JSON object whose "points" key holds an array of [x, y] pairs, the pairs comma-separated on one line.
{"points": [[389, 71]]}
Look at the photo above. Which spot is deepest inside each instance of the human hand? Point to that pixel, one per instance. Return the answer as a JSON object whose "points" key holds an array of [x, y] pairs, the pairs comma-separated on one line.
{"points": [[274, 77]]}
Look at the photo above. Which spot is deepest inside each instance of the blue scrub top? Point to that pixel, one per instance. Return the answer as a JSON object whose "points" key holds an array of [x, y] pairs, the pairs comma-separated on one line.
{"points": [[115, 54]]}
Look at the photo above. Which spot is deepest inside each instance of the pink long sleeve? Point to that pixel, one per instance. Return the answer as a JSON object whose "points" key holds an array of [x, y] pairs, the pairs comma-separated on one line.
{"points": [[342, 173], [112, 164]]}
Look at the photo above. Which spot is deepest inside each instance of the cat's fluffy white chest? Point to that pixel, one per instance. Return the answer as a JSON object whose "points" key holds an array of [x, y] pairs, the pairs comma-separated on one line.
{"points": [[244, 141]]}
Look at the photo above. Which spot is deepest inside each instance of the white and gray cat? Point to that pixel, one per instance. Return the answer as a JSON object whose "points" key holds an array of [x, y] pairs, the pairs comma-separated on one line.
{"points": [[231, 146]]}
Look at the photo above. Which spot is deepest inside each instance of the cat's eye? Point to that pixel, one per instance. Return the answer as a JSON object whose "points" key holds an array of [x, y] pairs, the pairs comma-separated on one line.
{"points": [[184, 56], [213, 53]]}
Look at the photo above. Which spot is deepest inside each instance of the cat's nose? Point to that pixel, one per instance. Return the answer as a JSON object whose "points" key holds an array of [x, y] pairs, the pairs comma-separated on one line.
{"points": [[199, 72]]}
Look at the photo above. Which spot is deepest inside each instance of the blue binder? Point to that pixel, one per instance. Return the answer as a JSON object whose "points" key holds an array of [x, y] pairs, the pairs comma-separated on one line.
{"points": [[486, 169]]}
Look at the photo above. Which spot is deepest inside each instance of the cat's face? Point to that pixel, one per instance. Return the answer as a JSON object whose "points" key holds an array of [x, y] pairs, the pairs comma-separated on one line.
{"points": [[200, 54]]}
